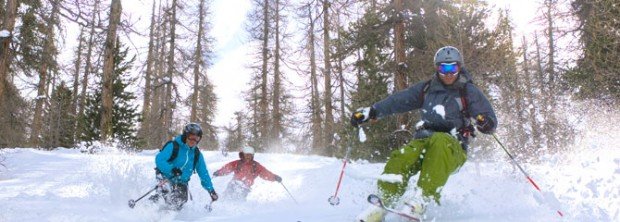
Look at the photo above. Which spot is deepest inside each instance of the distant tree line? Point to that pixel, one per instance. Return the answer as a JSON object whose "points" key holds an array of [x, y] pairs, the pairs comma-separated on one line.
{"points": [[349, 54]]}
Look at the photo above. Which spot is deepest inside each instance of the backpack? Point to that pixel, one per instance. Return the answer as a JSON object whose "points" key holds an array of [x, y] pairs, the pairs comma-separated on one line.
{"points": [[467, 129], [175, 153]]}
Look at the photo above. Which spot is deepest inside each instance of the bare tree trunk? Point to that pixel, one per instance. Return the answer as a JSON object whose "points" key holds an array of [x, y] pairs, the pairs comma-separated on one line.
{"points": [[551, 92], [108, 71], [327, 99], [262, 103], [42, 92], [530, 97], [76, 85], [170, 72], [8, 24], [38, 108], [146, 102], [340, 66], [544, 101], [551, 41], [159, 104], [315, 106], [400, 76], [277, 127], [253, 123], [341, 57], [88, 66], [76, 77], [197, 63]]}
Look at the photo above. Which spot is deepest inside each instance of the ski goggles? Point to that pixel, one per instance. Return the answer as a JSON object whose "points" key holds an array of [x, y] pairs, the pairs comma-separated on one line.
{"points": [[451, 68]]}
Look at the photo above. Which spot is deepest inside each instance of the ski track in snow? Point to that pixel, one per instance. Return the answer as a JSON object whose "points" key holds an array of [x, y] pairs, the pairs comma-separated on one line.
{"points": [[66, 185]]}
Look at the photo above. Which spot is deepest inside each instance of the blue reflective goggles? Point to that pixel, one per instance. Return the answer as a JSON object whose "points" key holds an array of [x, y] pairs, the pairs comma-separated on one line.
{"points": [[448, 68]]}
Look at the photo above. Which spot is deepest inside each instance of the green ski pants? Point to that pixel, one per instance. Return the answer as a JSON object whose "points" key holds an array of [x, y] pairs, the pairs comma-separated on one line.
{"points": [[435, 157]]}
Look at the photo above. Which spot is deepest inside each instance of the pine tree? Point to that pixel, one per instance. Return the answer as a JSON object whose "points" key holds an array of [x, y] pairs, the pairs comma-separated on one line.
{"points": [[235, 139], [596, 74], [372, 84], [58, 132], [8, 23], [48, 70], [125, 114], [14, 110], [314, 137], [203, 98]]}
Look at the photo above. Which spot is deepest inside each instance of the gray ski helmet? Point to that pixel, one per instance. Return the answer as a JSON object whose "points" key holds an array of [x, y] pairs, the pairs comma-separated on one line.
{"points": [[448, 54], [192, 128]]}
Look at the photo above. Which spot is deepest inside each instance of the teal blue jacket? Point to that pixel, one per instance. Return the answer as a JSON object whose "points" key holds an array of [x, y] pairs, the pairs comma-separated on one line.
{"points": [[185, 162]]}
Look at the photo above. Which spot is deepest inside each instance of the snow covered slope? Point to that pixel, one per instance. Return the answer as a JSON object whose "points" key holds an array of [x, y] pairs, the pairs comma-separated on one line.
{"points": [[66, 185]]}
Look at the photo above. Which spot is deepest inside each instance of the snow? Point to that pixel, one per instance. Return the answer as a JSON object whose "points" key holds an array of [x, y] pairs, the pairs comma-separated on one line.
{"points": [[362, 135], [441, 110], [67, 185], [166, 80], [71, 185], [392, 178], [419, 124], [4, 33]]}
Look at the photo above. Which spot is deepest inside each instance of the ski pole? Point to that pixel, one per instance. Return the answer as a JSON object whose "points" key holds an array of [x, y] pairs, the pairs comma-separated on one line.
{"points": [[334, 200], [132, 202], [289, 193], [522, 171], [208, 206]]}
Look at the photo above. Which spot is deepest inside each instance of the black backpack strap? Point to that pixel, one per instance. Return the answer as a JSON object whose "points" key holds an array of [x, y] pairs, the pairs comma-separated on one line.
{"points": [[175, 150], [196, 157], [467, 129], [463, 93], [427, 85]]}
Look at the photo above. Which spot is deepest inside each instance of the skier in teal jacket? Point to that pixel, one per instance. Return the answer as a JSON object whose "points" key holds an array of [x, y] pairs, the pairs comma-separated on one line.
{"points": [[448, 102], [176, 162]]}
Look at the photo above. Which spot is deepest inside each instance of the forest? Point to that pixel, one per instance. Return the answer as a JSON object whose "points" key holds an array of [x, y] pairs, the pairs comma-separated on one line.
{"points": [[347, 53]]}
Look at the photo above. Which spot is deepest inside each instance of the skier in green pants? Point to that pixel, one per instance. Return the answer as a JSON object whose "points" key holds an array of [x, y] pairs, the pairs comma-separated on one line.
{"points": [[448, 101]]}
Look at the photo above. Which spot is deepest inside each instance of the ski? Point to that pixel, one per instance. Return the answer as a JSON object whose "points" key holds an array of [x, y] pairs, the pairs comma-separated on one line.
{"points": [[376, 200]]}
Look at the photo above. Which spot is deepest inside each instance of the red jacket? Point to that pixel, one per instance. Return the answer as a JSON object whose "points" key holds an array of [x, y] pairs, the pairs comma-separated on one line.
{"points": [[246, 172]]}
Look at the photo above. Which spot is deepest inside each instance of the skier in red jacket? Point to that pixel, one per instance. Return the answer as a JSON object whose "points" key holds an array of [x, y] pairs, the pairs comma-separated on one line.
{"points": [[245, 171]]}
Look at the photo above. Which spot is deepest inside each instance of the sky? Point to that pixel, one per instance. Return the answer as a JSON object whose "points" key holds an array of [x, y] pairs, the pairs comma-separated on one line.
{"points": [[231, 48]]}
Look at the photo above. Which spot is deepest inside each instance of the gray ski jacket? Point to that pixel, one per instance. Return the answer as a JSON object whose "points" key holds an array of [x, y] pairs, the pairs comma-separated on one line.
{"points": [[441, 105]]}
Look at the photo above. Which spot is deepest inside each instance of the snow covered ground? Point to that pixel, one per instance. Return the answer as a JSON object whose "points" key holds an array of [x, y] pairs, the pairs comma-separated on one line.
{"points": [[66, 185]]}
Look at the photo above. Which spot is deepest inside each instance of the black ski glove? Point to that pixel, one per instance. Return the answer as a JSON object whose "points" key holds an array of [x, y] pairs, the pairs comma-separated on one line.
{"points": [[213, 195], [176, 172], [362, 115], [278, 179], [484, 124]]}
